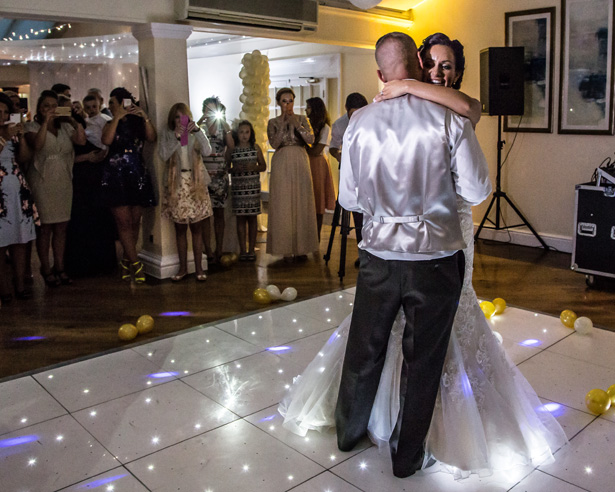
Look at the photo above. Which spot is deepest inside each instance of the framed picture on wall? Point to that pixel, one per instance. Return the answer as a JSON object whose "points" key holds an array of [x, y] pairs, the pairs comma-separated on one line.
{"points": [[533, 29], [586, 102]]}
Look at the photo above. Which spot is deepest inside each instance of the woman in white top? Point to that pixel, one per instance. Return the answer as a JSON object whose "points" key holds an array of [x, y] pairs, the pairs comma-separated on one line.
{"points": [[324, 194], [186, 200]]}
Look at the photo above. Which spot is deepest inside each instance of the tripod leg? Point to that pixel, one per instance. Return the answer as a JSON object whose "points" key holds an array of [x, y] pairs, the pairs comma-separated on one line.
{"points": [[485, 217], [523, 219], [345, 229], [334, 223]]}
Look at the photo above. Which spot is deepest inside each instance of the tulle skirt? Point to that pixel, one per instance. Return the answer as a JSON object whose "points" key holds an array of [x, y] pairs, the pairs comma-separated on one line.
{"points": [[487, 416]]}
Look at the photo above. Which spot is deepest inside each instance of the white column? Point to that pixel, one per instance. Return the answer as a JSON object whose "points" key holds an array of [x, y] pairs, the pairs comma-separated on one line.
{"points": [[164, 58]]}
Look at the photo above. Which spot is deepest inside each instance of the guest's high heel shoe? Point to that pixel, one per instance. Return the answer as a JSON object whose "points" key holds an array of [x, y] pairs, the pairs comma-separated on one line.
{"points": [[178, 278], [125, 267], [63, 278], [50, 279], [138, 272]]}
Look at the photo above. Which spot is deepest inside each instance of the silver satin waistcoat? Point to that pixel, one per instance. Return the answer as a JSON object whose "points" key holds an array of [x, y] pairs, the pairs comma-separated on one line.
{"points": [[403, 163]]}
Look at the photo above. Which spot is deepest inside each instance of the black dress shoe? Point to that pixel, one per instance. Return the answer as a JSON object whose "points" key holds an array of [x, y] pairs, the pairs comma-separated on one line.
{"points": [[405, 470]]}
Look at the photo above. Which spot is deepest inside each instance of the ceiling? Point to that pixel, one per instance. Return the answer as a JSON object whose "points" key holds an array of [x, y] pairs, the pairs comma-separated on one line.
{"points": [[123, 48]]}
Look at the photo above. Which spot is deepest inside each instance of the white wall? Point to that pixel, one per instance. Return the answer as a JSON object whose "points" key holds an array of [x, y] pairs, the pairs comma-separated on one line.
{"points": [[216, 76], [220, 75]]}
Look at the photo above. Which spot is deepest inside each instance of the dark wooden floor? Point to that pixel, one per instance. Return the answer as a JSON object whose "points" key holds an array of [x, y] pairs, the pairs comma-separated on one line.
{"points": [[82, 319]]}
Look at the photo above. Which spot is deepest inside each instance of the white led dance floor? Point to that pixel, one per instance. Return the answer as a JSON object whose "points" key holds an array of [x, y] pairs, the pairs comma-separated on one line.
{"points": [[197, 412]]}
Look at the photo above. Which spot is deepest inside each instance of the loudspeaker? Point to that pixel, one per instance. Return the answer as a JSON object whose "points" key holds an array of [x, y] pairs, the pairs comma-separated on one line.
{"points": [[501, 81]]}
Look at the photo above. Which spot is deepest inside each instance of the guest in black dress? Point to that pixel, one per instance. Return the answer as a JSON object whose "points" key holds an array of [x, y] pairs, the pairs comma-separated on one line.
{"points": [[90, 242], [126, 184]]}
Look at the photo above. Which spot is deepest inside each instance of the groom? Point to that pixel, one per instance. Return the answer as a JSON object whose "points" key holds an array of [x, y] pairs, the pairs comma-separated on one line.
{"points": [[404, 161]]}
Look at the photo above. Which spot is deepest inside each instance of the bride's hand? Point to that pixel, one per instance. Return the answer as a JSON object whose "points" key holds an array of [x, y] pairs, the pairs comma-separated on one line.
{"points": [[394, 88]]}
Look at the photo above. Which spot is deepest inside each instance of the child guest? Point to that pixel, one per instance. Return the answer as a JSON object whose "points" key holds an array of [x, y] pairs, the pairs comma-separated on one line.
{"points": [[247, 162]]}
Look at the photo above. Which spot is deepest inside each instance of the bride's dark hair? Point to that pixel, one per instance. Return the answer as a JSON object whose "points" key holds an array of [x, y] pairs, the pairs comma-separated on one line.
{"points": [[442, 39]]}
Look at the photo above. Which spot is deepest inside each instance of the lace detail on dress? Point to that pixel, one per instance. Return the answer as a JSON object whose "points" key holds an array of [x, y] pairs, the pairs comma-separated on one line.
{"points": [[450, 383]]}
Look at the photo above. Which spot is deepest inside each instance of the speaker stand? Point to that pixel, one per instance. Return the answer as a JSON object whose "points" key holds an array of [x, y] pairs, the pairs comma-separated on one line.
{"points": [[498, 195]]}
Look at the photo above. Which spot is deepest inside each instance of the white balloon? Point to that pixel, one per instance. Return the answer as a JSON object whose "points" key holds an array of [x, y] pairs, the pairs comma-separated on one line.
{"points": [[498, 336], [289, 294], [365, 4], [274, 292], [583, 325]]}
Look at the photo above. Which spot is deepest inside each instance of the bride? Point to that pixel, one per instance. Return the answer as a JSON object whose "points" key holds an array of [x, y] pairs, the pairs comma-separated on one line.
{"points": [[487, 417]]}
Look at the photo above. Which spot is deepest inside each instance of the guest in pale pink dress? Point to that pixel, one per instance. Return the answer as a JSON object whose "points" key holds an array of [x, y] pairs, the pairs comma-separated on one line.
{"points": [[324, 193]]}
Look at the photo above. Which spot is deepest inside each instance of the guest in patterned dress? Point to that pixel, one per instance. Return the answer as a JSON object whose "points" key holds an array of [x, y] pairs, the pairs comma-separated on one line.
{"points": [[183, 145], [213, 122], [18, 214], [51, 137], [324, 193], [247, 162], [126, 184]]}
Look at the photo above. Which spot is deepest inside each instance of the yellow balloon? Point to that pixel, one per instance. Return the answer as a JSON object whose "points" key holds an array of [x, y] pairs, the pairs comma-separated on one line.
{"points": [[261, 296], [127, 332], [568, 318], [234, 257], [611, 393], [597, 401], [487, 308], [500, 305], [145, 324], [226, 261]]}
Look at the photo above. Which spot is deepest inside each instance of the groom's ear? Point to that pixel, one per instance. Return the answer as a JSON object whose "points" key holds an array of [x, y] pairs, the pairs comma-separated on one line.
{"points": [[381, 77]]}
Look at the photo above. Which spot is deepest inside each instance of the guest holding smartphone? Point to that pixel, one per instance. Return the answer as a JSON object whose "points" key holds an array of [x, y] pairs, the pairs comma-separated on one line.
{"points": [[126, 184], [183, 145], [51, 137], [18, 214], [213, 122]]}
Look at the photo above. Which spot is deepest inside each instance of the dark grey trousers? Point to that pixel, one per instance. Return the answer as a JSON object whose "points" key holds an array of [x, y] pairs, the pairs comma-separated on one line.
{"points": [[429, 293]]}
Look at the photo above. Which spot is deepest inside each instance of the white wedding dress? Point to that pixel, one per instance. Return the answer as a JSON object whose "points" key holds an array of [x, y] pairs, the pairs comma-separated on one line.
{"points": [[487, 416]]}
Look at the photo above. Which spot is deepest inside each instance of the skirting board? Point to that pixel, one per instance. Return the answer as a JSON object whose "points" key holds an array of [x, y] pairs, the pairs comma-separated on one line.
{"points": [[162, 267], [526, 238]]}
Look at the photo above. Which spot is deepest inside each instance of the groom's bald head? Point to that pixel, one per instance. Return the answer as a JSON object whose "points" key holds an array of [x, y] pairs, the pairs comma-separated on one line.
{"points": [[397, 57]]}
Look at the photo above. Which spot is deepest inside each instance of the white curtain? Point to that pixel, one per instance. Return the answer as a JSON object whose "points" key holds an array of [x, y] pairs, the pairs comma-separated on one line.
{"points": [[81, 77]]}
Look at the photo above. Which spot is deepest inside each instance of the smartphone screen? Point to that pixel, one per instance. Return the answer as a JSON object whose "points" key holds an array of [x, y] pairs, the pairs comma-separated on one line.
{"points": [[184, 120], [127, 103], [63, 111]]}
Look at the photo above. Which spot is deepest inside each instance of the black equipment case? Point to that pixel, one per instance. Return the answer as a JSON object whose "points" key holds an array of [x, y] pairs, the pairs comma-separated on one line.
{"points": [[593, 251]]}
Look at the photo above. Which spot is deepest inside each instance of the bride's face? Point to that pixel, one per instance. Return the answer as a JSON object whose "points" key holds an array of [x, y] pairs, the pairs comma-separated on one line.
{"points": [[439, 65]]}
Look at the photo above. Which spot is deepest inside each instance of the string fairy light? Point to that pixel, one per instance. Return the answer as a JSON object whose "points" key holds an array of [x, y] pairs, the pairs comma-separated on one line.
{"points": [[16, 37]]}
